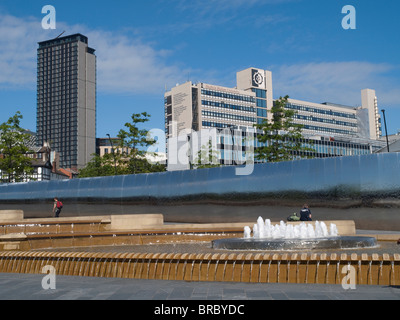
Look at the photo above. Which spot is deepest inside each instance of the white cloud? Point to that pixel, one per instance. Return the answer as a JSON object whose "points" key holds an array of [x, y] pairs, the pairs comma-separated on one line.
{"points": [[127, 65], [124, 64], [337, 82], [18, 51]]}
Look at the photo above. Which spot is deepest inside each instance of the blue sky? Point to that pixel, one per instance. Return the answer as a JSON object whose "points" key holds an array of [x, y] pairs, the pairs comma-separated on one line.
{"points": [[144, 47]]}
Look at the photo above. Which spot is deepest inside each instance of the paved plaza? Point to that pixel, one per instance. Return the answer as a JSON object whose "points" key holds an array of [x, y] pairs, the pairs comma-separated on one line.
{"points": [[29, 287]]}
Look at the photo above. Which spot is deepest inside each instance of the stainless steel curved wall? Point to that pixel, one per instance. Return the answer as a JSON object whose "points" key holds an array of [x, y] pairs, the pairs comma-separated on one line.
{"points": [[359, 181]]}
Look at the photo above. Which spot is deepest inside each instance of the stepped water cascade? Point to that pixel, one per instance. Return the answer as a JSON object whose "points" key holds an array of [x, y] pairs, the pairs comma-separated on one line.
{"points": [[302, 236], [90, 247]]}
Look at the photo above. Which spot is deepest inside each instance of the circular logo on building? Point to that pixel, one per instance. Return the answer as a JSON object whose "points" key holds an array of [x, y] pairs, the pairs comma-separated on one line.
{"points": [[258, 78]]}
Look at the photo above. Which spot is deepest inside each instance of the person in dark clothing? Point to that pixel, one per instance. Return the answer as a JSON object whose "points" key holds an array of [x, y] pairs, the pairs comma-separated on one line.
{"points": [[305, 213]]}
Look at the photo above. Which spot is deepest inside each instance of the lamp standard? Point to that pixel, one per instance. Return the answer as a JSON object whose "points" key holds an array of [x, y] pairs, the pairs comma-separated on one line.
{"points": [[387, 138], [113, 152]]}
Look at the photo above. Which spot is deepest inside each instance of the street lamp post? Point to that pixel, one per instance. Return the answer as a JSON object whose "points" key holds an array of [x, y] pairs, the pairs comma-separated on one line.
{"points": [[387, 138], [113, 152]]}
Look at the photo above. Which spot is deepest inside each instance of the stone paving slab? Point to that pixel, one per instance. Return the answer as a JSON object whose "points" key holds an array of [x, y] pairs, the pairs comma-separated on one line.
{"points": [[29, 287]]}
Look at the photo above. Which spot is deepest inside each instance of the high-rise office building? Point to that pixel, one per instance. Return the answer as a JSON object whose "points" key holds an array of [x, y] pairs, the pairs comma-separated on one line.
{"points": [[66, 99], [193, 111]]}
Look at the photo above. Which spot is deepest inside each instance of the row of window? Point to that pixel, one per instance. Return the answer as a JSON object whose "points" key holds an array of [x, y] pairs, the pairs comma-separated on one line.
{"points": [[321, 147], [63, 43], [261, 103], [260, 93], [57, 121], [46, 58], [61, 114], [342, 150], [56, 73], [319, 151], [65, 82], [48, 106], [53, 96], [57, 81], [68, 135], [51, 127], [51, 119], [64, 89], [62, 71], [261, 113], [56, 62], [116, 150], [321, 111], [330, 121], [57, 78], [229, 116], [59, 72], [217, 125], [56, 96], [329, 130], [57, 56], [227, 95], [227, 106], [59, 99], [57, 49]]}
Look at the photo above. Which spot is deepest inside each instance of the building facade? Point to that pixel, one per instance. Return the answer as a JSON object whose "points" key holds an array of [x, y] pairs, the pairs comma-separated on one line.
{"points": [[66, 99], [44, 163], [110, 145], [197, 106], [330, 129]]}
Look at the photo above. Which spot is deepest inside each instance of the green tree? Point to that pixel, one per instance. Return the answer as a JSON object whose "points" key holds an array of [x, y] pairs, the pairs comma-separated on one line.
{"points": [[15, 164], [281, 138], [207, 157], [99, 167], [135, 142], [128, 155]]}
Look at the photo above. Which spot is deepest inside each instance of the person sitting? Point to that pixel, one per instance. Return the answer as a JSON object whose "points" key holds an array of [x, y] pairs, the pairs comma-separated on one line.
{"points": [[305, 213], [293, 217]]}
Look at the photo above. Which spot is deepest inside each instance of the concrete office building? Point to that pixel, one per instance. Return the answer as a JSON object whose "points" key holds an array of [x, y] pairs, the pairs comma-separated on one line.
{"points": [[66, 99], [331, 129], [196, 106], [373, 124]]}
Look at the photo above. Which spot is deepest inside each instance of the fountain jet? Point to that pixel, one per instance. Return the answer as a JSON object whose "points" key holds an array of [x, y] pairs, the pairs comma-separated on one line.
{"points": [[282, 236]]}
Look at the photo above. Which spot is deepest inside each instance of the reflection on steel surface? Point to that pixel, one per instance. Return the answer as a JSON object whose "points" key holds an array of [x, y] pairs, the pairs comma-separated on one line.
{"points": [[219, 195]]}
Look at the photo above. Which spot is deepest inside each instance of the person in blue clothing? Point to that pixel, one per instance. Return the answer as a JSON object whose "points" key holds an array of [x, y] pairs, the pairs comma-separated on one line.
{"points": [[305, 214]]}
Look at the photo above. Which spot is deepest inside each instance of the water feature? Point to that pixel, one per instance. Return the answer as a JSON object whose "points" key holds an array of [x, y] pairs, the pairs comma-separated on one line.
{"points": [[282, 236], [265, 230], [187, 255]]}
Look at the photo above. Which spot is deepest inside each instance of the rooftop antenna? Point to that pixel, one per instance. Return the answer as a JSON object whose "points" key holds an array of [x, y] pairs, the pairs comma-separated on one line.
{"points": [[60, 34]]}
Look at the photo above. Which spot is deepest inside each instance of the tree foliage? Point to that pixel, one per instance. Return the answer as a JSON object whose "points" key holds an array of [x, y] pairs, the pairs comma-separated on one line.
{"points": [[128, 155], [281, 137], [207, 157], [15, 164], [98, 167]]}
